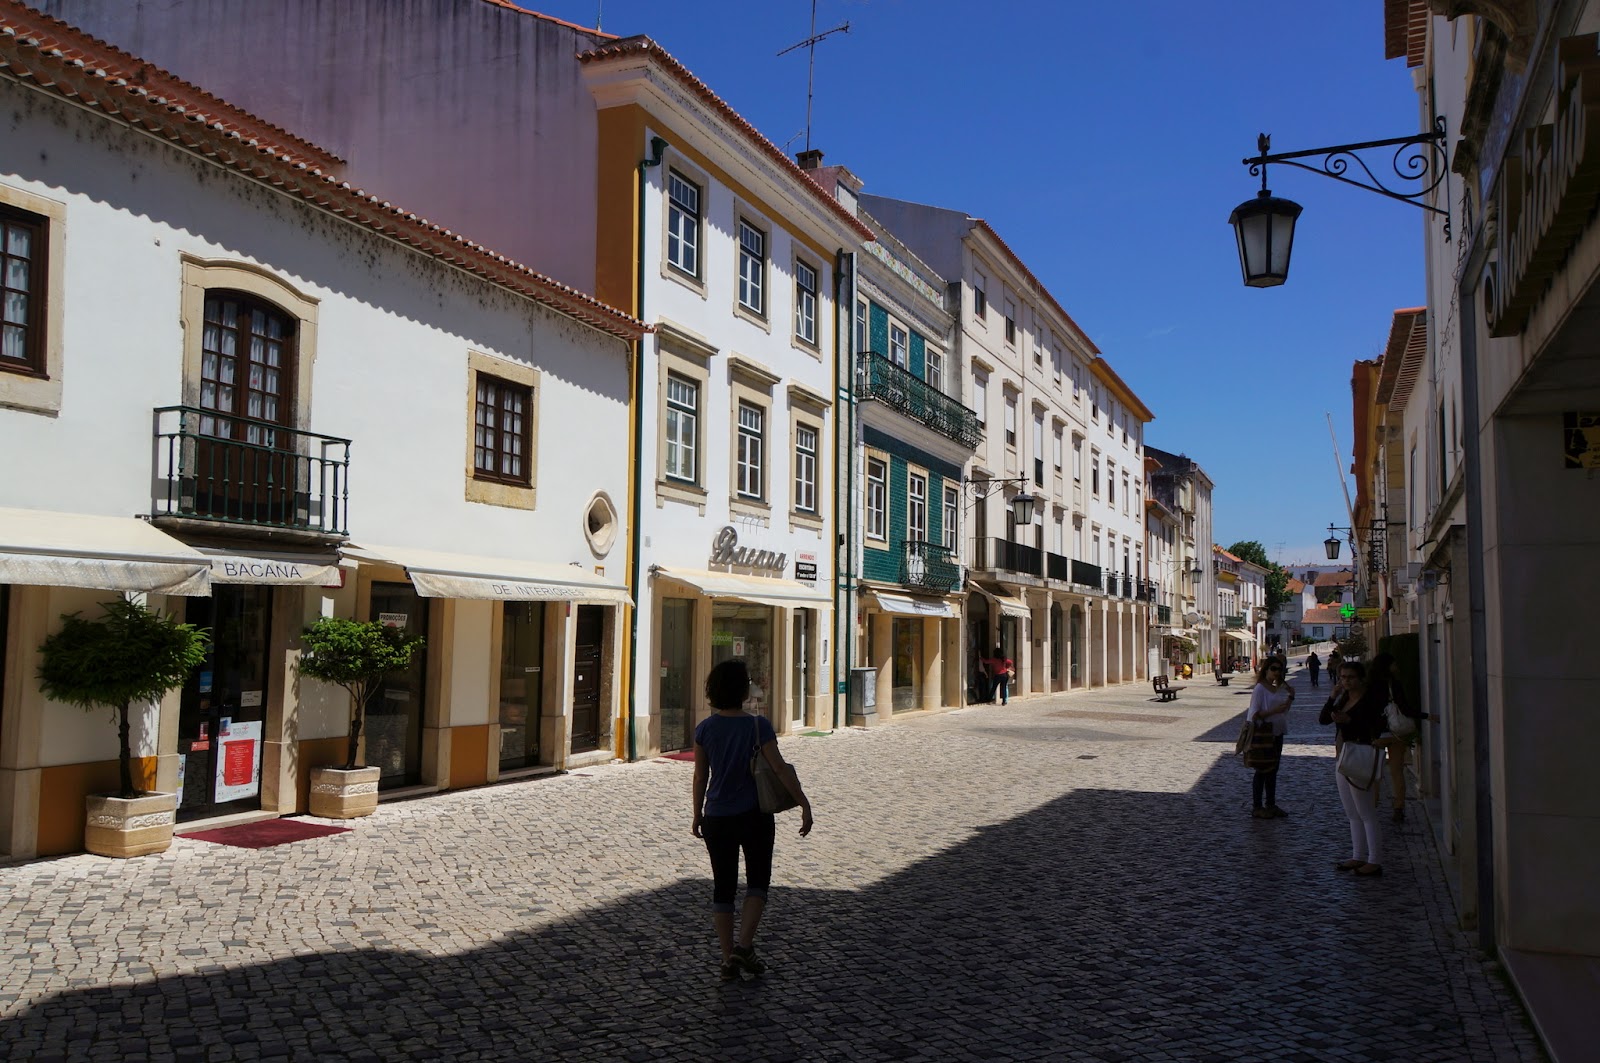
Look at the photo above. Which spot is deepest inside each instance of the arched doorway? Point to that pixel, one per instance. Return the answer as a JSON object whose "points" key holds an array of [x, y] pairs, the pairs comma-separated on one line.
{"points": [[1058, 679], [1075, 633]]}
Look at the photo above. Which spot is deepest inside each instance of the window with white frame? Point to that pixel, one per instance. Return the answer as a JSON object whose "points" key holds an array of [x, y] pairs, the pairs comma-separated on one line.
{"points": [[682, 436], [1094, 473], [683, 224], [1076, 380], [1057, 355], [917, 507], [980, 295], [805, 303], [752, 268], [933, 366], [752, 443], [899, 345], [1077, 459], [877, 516], [1011, 322], [1111, 482], [980, 397], [861, 326], [1124, 492], [1038, 449], [805, 468], [1094, 402], [1011, 420], [1060, 539], [1094, 558], [1056, 449], [952, 513]]}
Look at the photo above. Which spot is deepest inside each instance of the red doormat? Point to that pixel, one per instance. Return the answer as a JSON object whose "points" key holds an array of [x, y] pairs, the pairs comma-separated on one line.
{"points": [[682, 754], [266, 832]]}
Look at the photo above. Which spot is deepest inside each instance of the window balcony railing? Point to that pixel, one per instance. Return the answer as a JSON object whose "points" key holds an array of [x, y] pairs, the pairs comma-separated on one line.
{"points": [[1086, 574], [929, 565], [1233, 621], [1058, 567], [1006, 556], [898, 389], [1163, 614], [214, 466]]}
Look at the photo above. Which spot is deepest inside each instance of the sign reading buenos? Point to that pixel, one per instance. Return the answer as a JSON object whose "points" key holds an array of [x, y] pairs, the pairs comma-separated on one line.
{"points": [[725, 550]]}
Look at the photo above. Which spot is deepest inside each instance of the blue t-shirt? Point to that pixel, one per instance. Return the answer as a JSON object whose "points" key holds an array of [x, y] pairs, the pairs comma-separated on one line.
{"points": [[729, 741]]}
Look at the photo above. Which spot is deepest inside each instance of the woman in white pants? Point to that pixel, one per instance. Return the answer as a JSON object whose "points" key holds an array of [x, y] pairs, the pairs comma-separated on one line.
{"points": [[1357, 712]]}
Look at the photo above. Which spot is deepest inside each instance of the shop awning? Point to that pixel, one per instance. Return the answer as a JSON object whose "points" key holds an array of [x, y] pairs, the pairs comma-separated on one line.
{"points": [[1186, 637], [49, 549], [276, 569], [1008, 604], [1238, 636], [443, 575], [906, 605], [758, 590]]}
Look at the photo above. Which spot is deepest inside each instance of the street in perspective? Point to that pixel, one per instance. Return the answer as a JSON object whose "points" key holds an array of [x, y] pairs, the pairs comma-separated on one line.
{"points": [[799, 530], [1073, 878]]}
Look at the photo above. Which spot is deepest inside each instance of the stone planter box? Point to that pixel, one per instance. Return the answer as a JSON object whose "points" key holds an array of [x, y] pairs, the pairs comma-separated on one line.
{"points": [[337, 793], [129, 826]]}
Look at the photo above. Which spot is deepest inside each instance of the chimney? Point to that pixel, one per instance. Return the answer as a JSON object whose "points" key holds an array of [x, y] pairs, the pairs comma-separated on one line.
{"points": [[810, 159]]}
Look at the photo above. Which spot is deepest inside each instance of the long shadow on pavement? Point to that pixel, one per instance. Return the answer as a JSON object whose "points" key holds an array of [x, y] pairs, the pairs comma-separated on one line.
{"points": [[1105, 924]]}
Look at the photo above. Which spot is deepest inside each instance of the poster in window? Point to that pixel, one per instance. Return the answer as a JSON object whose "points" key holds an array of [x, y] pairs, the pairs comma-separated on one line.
{"points": [[239, 761]]}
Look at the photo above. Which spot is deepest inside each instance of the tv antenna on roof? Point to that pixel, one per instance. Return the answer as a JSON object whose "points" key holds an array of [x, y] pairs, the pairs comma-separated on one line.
{"points": [[810, 44]]}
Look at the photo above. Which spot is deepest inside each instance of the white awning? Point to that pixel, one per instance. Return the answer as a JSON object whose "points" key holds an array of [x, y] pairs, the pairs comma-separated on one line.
{"points": [[48, 549], [1008, 605], [906, 605], [284, 570], [1241, 636], [758, 590], [442, 575]]}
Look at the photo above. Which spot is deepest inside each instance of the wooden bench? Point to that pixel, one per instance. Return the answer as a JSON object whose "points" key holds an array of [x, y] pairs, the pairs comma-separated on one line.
{"points": [[1164, 688]]}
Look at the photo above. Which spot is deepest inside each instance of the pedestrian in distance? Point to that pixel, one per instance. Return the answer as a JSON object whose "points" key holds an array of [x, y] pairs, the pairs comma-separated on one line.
{"points": [[1001, 669], [1356, 710], [1270, 702], [1314, 666], [728, 816], [1385, 684]]}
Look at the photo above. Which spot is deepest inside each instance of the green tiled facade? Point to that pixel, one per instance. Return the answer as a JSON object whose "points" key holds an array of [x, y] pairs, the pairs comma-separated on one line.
{"points": [[878, 340], [884, 563]]}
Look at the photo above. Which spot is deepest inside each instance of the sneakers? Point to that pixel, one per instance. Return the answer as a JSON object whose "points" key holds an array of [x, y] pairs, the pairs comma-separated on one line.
{"points": [[745, 956], [729, 972], [1276, 812]]}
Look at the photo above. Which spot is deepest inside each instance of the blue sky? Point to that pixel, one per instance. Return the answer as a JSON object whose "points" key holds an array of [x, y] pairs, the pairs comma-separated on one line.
{"points": [[1103, 142]]}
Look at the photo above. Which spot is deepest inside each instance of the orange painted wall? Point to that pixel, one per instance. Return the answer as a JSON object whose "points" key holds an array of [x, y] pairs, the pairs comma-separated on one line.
{"points": [[621, 131], [469, 756], [62, 789], [316, 753]]}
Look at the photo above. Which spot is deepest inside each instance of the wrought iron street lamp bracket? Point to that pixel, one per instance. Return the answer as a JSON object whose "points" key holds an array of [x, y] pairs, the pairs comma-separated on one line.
{"points": [[1022, 505], [1421, 161]]}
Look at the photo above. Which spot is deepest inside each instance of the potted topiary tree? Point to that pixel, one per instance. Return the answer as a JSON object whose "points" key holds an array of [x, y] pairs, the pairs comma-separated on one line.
{"points": [[128, 656], [356, 655]]}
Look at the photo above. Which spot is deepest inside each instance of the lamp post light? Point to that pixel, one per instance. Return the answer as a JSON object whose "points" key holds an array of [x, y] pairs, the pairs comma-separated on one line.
{"points": [[1264, 226], [1331, 545], [1022, 503]]}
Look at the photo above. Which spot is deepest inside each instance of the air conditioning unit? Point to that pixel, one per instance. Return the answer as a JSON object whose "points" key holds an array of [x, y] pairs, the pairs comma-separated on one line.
{"points": [[1406, 575]]}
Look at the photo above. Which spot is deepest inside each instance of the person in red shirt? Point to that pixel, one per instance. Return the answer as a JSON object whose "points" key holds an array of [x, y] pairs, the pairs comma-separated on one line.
{"points": [[1000, 671]]}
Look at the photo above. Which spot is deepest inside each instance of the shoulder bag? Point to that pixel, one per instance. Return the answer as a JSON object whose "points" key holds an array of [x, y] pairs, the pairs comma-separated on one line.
{"points": [[1247, 734], [1400, 725], [771, 794], [1358, 762]]}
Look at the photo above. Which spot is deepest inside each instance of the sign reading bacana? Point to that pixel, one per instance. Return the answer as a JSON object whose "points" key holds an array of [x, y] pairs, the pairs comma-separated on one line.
{"points": [[1547, 191], [725, 550]]}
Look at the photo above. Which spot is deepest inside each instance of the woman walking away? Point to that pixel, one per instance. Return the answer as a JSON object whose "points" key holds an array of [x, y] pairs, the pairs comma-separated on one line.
{"points": [[1001, 669], [729, 817], [1357, 711], [1386, 684], [1314, 663], [1269, 708]]}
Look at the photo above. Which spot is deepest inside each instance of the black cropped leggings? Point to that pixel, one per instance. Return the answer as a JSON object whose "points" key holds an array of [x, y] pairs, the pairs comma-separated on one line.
{"points": [[751, 831]]}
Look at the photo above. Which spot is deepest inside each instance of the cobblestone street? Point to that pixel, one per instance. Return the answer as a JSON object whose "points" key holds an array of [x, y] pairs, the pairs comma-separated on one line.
{"points": [[1068, 878]]}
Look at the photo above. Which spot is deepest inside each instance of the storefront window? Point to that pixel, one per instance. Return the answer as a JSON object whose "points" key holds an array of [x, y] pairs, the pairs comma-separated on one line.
{"points": [[394, 719], [744, 632], [907, 662], [521, 683], [677, 660]]}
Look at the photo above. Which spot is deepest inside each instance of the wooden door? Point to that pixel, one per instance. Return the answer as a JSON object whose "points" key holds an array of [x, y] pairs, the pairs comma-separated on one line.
{"points": [[588, 664]]}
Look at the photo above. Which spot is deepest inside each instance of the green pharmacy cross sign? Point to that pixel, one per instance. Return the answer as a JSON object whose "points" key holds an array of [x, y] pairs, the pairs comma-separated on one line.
{"points": [[1347, 612]]}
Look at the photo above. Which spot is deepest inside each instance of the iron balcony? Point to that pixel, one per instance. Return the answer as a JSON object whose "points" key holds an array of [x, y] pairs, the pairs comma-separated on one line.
{"points": [[237, 470], [898, 389], [929, 565]]}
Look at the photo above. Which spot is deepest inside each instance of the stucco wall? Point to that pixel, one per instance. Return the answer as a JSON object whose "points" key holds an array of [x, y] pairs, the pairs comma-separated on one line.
{"points": [[422, 98]]}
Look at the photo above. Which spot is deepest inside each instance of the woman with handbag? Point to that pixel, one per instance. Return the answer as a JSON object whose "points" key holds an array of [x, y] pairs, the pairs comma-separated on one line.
{"points": [[1401, 721], [1357, 712], [1270, 702], [728, 814]]}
